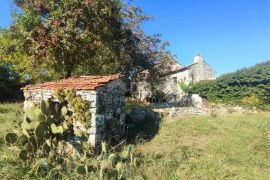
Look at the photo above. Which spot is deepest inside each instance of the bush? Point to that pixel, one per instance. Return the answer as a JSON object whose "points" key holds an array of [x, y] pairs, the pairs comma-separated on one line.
{"points": [[238, 88], [159, 95], [251, 101]]}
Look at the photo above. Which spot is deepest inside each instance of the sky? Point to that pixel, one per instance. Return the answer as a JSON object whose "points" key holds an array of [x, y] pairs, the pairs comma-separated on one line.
{"points": [[229, 34]]}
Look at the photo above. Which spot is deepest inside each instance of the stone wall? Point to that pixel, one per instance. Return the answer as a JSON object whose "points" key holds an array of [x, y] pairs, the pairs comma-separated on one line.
{"points": [[142, 90], [202, 71], [193, 111], [109, 119], [170, 83], [107, 107]]}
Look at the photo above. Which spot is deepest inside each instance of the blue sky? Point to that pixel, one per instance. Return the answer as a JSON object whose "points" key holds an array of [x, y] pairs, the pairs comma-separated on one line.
{"points": [[230, 34]]}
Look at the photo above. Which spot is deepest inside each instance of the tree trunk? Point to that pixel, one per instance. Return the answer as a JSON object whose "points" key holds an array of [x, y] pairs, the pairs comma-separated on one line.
{"points": [[68, 75], [69, 66]]}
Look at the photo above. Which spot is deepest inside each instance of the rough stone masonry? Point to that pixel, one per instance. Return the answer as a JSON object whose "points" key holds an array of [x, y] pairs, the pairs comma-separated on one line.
{"points": [[106, 95]]}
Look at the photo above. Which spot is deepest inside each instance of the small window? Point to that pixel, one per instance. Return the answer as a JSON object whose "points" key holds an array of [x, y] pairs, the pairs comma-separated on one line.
{"points": [[175, 80]]}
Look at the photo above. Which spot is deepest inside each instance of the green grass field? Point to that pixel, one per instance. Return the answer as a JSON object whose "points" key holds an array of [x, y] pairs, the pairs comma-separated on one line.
{"points": [[233, 146]]}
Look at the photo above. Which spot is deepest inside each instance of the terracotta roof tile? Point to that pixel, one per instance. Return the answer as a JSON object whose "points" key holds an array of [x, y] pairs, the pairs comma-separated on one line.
{"points": [[77, 83]]}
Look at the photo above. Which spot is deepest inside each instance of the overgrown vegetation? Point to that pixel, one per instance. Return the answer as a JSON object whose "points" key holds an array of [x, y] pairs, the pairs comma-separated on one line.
{"points": [[249, 87], [234, 146], [46, 139], [185, 87], [48, 144]]}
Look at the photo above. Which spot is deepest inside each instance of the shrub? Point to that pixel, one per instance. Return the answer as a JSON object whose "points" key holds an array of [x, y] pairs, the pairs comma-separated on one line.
{"points": [[238, 88], [251, 101], [159, 95]]}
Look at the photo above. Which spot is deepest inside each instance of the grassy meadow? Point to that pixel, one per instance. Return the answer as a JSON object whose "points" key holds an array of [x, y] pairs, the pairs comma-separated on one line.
{"points": [[232, 146]]}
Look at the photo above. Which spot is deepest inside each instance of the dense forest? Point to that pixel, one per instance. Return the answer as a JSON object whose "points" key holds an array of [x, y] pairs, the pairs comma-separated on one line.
{"points": [[248, 86]]}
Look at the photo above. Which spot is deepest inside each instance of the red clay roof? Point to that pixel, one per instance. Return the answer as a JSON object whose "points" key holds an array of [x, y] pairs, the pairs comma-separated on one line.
{"points": [[76, 83]]}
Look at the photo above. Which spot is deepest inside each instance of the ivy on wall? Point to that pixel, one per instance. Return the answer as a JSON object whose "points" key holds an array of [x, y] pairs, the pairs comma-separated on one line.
{"points": [[80, 108]]}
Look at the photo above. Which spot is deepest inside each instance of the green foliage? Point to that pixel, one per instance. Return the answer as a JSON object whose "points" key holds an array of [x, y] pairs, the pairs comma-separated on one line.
{"points": [[23, 139], [233, 146], [251, 101], [23, 155], [81, 169], [112, 166], [185, 87], [9, 82], [64, 111], [57, 129], [45, 107], [159, 95], [43, 137], [79, 107], [40, 131], [55, 39], [249, 86], [31, 113], [11, 138]]}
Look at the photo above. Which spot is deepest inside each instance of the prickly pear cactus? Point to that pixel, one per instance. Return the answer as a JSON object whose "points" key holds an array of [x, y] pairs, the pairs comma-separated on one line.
{"points": [[82, 169], [23, 155], [46, 132], [11, 138]]}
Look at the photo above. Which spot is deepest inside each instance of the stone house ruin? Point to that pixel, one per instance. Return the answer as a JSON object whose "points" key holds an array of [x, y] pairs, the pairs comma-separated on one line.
{"points": [[171, 79], [106, 95]]}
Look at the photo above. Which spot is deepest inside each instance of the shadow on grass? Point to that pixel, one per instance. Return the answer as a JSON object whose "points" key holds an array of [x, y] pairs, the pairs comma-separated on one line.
{"points": [[3, 110], [144, 130]]}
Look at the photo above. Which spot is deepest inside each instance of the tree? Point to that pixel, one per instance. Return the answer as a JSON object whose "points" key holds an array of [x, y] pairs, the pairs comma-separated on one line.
{"points": [[9, 83], [81, 37]]}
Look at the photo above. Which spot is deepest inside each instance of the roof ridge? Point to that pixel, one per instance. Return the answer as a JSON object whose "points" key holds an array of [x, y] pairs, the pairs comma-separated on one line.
{"points": [[79, 82]]}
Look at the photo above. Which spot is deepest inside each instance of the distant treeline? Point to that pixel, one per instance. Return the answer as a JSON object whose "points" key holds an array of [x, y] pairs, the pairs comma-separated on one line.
{"points": [[248, 86], [9, 84]]}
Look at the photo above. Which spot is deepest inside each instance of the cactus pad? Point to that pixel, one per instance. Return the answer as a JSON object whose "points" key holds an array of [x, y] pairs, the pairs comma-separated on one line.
{"points": [[113, 159], [11, 138], [57, 129], [131, 149], [41, 117], [44, 106], [81, 169], [31, 114], [29, 126], [64, 111], [23, 155], [40, 131], [33, 141], [22, 139], [25, 132], [28, 147]]}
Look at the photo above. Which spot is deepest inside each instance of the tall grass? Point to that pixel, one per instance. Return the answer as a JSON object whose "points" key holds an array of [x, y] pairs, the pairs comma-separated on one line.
{"points": [[233, 146]]}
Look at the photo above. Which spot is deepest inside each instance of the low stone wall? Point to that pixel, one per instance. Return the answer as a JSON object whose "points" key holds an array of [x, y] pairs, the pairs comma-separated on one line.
{"points": [[184, 111]]}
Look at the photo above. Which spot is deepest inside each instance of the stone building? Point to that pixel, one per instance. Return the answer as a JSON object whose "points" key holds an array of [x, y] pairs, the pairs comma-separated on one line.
{"points": [[106, 95], [170, 80]]}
